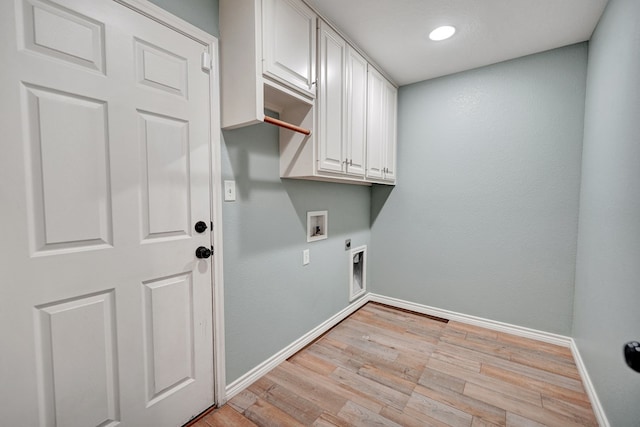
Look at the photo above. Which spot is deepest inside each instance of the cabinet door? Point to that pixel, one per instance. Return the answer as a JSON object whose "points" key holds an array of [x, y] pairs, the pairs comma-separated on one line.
{"points": [[289, 43], [331, 96], [375, 124], [390, 114], [356, 113]]}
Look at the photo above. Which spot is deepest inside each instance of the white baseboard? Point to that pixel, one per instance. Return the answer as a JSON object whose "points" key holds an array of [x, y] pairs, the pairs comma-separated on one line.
{"points": [[247, 379], [598, 410], [520, 331]]}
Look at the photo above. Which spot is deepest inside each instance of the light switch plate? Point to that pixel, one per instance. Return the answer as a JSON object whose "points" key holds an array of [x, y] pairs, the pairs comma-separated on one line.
{"points": [[305, 257], [229, 191]]}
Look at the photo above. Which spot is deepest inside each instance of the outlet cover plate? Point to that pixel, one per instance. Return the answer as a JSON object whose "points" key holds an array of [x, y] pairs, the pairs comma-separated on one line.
{"points": [[229, 191]]}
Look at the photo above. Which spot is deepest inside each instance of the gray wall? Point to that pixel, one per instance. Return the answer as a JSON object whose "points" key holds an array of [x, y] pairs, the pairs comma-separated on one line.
{"points": [[608, 263], [483, 220], [201, 13], [271, 299]]}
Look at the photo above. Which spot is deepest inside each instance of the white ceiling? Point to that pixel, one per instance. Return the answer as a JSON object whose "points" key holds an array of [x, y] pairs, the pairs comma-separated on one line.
{"points": [[394, 33]]}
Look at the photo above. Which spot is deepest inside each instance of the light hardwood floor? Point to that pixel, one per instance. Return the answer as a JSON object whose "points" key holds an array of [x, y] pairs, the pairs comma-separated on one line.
{"points": [[387, 367]]}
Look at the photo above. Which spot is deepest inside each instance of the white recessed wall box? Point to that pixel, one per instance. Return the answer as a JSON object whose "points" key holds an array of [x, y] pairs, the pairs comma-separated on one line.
{"points": [[357, 272], [317, 225]]}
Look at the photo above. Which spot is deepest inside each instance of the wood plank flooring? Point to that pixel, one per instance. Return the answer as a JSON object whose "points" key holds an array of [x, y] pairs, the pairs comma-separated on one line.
{"points": [[388, 367]]}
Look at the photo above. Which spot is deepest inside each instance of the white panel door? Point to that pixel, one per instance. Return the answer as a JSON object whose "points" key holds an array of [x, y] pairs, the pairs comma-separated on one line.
{"points": [[331, 101], [105, 312], [289, 43]]}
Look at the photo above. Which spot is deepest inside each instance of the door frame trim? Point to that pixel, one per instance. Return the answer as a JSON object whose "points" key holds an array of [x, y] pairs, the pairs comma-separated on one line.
{"points": [[156, 13]]}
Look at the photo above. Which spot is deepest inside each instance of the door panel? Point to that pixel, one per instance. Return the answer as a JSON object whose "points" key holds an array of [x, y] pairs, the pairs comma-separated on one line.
{"points": [[165, 177], [78, 358], [60, 126], [169, 349], [60, 33], [105, 312], [160, 69]]}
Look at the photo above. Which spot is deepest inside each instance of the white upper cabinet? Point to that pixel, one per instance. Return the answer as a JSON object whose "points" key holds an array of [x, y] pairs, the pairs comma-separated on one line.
{"points": [[339, 112], [267, 57], [375, 124], [289, 43], [381, 128], [390, 143], [356, 113], [331, 100], [342, 107]]}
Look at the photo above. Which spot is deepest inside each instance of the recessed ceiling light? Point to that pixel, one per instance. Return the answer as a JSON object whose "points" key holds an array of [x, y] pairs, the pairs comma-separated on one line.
{"points": [[442, 33]]}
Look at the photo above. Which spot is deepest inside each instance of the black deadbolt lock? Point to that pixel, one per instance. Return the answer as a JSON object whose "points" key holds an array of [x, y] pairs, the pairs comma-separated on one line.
{"points": [[203, 253], [201, 226], [632, 355]]}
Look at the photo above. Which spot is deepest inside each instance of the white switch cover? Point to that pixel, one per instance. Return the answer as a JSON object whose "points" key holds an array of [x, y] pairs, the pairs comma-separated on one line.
{"points": [[305, 257], [229, 191]]}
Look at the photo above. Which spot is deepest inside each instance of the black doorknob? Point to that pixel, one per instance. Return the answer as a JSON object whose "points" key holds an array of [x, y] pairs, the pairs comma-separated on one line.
{"points": [[203, 253], [632, 355], [200, 226]]}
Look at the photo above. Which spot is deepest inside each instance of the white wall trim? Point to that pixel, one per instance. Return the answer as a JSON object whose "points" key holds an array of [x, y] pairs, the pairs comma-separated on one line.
{"points": [[598, 409], [217, 263], [166, 18], [494, 325], [247, 379]]}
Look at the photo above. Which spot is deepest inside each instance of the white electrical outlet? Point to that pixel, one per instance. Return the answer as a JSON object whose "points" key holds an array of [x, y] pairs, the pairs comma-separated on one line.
{"points": [[305, 257], [229, 191]]}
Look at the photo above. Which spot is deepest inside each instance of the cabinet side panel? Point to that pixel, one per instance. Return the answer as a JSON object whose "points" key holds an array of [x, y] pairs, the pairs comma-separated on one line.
{"points": [[297, 157], [240, 51]]}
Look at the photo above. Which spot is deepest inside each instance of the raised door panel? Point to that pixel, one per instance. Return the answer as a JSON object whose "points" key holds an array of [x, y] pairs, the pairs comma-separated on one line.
{"points": [[62, 34], [166, 203], [331, 120], [169, 335], [161, 69], [289, 43], [375, 124], [391, 104], [356, 126], [70, 202], [77, 366]]}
